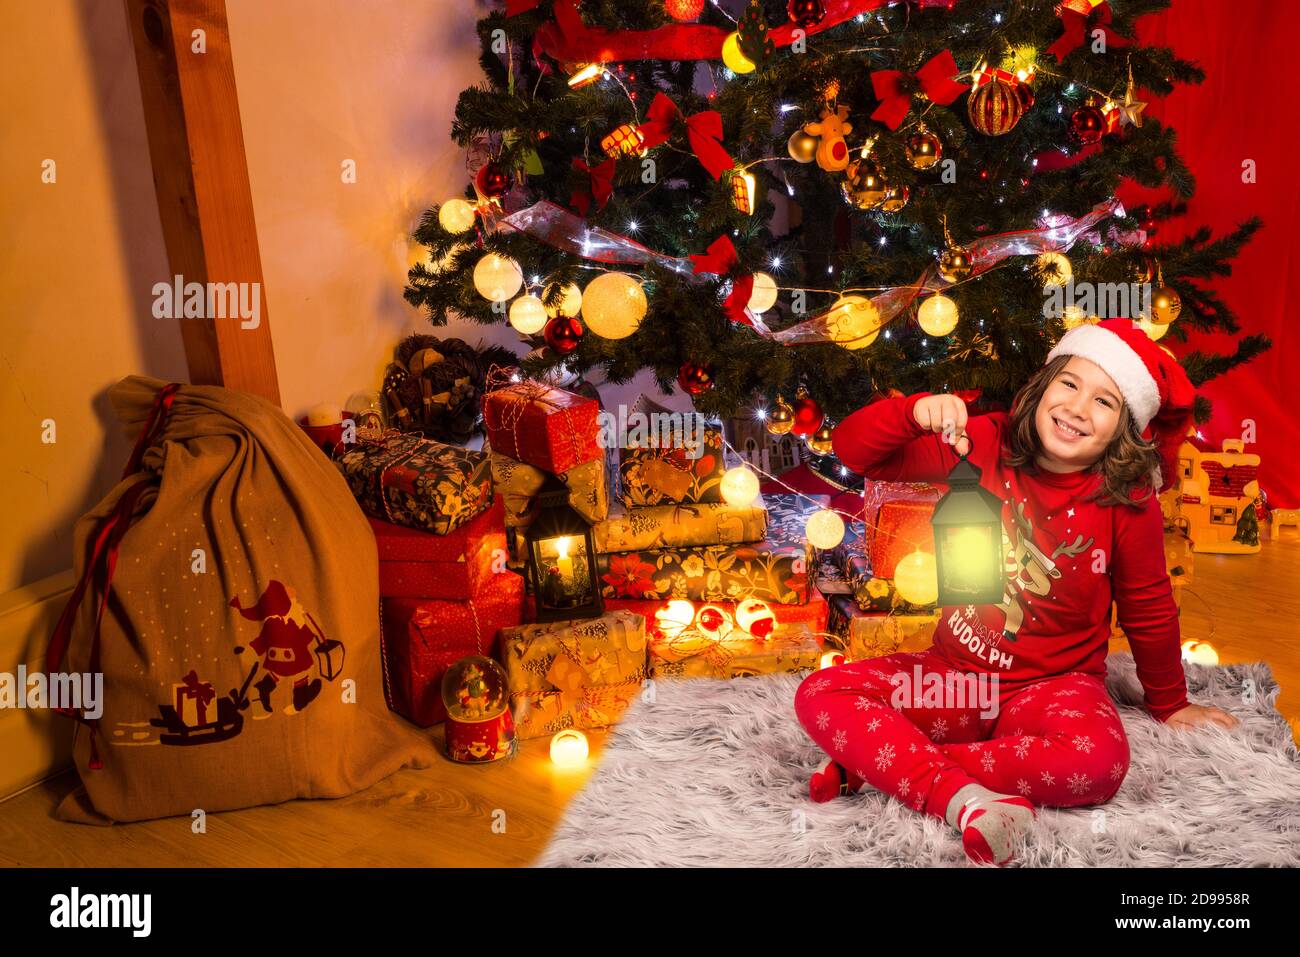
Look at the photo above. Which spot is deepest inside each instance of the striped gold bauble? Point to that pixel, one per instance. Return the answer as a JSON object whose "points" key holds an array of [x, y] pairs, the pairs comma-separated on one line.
{"points": [[995, 107]]}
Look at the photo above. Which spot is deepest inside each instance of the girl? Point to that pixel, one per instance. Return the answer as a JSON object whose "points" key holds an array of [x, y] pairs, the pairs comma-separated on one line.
{"points": [[1079, 485]]}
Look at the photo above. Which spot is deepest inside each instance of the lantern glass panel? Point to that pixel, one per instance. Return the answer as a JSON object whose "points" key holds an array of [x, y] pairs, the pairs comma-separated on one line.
{"points": [[970, 565], [562, 561]]}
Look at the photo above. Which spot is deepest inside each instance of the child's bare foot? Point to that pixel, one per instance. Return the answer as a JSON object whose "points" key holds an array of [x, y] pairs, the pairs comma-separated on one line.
{"points": [[832, 781], [989, 822]]}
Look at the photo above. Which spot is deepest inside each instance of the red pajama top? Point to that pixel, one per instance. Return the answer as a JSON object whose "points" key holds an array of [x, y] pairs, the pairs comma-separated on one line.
{"points": [[1066, 560]]}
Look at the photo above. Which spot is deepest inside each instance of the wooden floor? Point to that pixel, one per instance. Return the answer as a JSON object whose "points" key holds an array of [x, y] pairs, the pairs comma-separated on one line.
{"points": [[1248, 605]]}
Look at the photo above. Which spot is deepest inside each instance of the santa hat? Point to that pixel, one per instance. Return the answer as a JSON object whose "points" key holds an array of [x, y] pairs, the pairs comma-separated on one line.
{"points": [[1156, 389]]}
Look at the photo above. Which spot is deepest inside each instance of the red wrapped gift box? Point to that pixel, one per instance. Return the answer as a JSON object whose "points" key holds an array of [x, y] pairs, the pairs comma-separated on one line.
{"points": [[417, 564], [814, 613], [422, 638], [545, 427], [902, 527]]}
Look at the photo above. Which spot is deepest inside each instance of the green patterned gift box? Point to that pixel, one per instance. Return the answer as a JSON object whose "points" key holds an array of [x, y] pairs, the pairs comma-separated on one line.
{"points": [[413, 481], [777, 569], [656, 527]]}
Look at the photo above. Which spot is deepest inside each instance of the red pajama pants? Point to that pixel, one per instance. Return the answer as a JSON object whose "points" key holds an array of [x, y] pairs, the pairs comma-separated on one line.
{"points": [[1059, 742]]}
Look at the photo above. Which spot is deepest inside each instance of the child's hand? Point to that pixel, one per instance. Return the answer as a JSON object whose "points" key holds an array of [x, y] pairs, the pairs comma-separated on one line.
{"points": [[945, 414], [1197, 715]]}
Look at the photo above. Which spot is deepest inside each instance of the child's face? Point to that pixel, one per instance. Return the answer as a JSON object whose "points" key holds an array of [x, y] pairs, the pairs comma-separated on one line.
{"points": [[1084, 398]]}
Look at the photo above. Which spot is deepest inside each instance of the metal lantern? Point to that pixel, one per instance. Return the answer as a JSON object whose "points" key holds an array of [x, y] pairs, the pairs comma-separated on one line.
{"points": [[968, 540], [562, 559]]}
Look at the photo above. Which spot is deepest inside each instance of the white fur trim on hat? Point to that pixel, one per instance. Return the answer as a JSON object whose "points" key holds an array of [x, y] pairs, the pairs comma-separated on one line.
{"points": [[1117, 358]]}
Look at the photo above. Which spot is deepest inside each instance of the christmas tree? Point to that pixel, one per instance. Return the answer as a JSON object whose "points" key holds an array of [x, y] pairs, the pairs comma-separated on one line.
{"points": [[755, 198]]}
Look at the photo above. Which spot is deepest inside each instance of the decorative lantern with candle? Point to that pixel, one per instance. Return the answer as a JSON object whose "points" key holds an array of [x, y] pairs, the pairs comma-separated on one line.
{"points": [[968, 540], [561, 559]]}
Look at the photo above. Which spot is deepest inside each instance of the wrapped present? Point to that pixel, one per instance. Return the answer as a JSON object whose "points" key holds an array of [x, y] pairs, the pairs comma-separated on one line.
{"points": [[689, 472], [194, 700], [902, 527], [422, 638], [412, 481], [789, 648], [518, 484], [574, 674], [542, 426], [877, 594], [679, 526], [776, 569], [853, 544], [871, 634], [813, 615], [416, 564]]}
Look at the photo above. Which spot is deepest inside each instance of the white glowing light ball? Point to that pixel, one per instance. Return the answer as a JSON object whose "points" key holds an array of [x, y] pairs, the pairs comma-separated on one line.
{"points": [[675, 617], [755, 616], [824, 529], [527, 315], [853, 322], [613, 305], [739, 486], [917, 578], [938, 315], [569, 748], [570, 301], [497, 278], [1200, 653], [456, 216], [763, 296]]}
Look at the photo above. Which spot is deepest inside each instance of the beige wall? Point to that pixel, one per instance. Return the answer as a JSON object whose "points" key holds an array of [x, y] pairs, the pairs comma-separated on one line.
{"points": [[319, 82]]}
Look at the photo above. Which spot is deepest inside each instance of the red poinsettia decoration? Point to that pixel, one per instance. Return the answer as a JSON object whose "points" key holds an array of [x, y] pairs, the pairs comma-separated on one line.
{"points": [[630, 577]]}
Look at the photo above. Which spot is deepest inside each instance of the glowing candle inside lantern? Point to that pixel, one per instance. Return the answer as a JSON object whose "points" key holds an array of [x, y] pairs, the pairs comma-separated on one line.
{"points": [[569, 748], [967, 552], [564, 563]]}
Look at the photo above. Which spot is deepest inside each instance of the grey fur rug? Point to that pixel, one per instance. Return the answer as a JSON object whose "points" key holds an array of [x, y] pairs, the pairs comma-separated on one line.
{"points": [[715, 774]]}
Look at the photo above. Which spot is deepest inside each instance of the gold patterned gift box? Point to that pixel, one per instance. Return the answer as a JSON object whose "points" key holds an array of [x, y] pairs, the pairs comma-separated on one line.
{"points": [[789, 648], [872, 634], [679, 526], [518, 484], [574, 674]]}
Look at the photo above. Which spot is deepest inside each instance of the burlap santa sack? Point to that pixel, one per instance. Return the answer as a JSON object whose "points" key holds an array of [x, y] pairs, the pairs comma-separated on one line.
{"points": [[228, 592]]}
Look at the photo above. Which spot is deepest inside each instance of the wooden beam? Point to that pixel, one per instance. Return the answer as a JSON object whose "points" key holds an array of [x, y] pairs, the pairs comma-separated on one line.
{"points": [[200, 176]]}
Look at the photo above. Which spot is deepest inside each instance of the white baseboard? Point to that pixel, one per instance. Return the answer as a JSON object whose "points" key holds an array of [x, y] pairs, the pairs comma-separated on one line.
{"points": [[34, 745]]}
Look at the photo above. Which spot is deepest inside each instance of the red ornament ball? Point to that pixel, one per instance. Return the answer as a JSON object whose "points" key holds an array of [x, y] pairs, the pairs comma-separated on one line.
{"points": [[492, 180], [562, 334], [694, 378], [806, 13], [684, 11], [808, 416], [1087, 125]]}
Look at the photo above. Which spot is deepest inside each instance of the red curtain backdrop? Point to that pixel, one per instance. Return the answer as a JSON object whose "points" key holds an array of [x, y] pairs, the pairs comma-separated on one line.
{"points": [[1245, 110]]}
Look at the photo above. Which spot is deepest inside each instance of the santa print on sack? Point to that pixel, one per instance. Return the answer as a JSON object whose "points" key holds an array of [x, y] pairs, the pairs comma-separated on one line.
{"points": [[290, 645], [1029, 570]]}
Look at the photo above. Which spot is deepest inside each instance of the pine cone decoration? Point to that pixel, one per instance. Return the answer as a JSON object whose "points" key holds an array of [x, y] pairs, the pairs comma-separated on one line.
{"points": [[440, 383]]}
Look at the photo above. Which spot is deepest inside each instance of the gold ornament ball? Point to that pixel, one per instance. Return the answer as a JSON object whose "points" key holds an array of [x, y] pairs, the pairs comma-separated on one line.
{"points": [[527, 315], [456, 216], [923, 150], [739, 486], [938, 315], [820, 441], [853, 322], [763, 296], [955, 264], [781, 419], [896, 198], [614, 305], [733, 58], [863, 185], [1153, 329], [497, 278], [570, 303], [825, 529], [1166, 304], [917, 579], [802, 146], [1056, 269]]}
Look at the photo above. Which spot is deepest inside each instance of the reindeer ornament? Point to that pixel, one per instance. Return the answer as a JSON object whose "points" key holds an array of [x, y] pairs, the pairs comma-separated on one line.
{"points": [[832, 152]]}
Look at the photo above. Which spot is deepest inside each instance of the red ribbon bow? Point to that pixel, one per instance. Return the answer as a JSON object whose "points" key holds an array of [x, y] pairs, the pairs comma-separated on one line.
{"points": [[718, 260], [936, 79], [600, 185], [703, 130], [1075, 15]]}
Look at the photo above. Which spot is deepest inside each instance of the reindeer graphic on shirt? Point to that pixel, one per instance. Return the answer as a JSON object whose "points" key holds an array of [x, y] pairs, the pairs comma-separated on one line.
{"points": [[1029, 570]]}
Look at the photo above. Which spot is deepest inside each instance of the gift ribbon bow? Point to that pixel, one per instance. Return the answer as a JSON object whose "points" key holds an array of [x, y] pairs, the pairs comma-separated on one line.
{"points": [[1075, 15], [703, 131], [200, 691], [936, 82], [718, 260], [600, 185]]}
